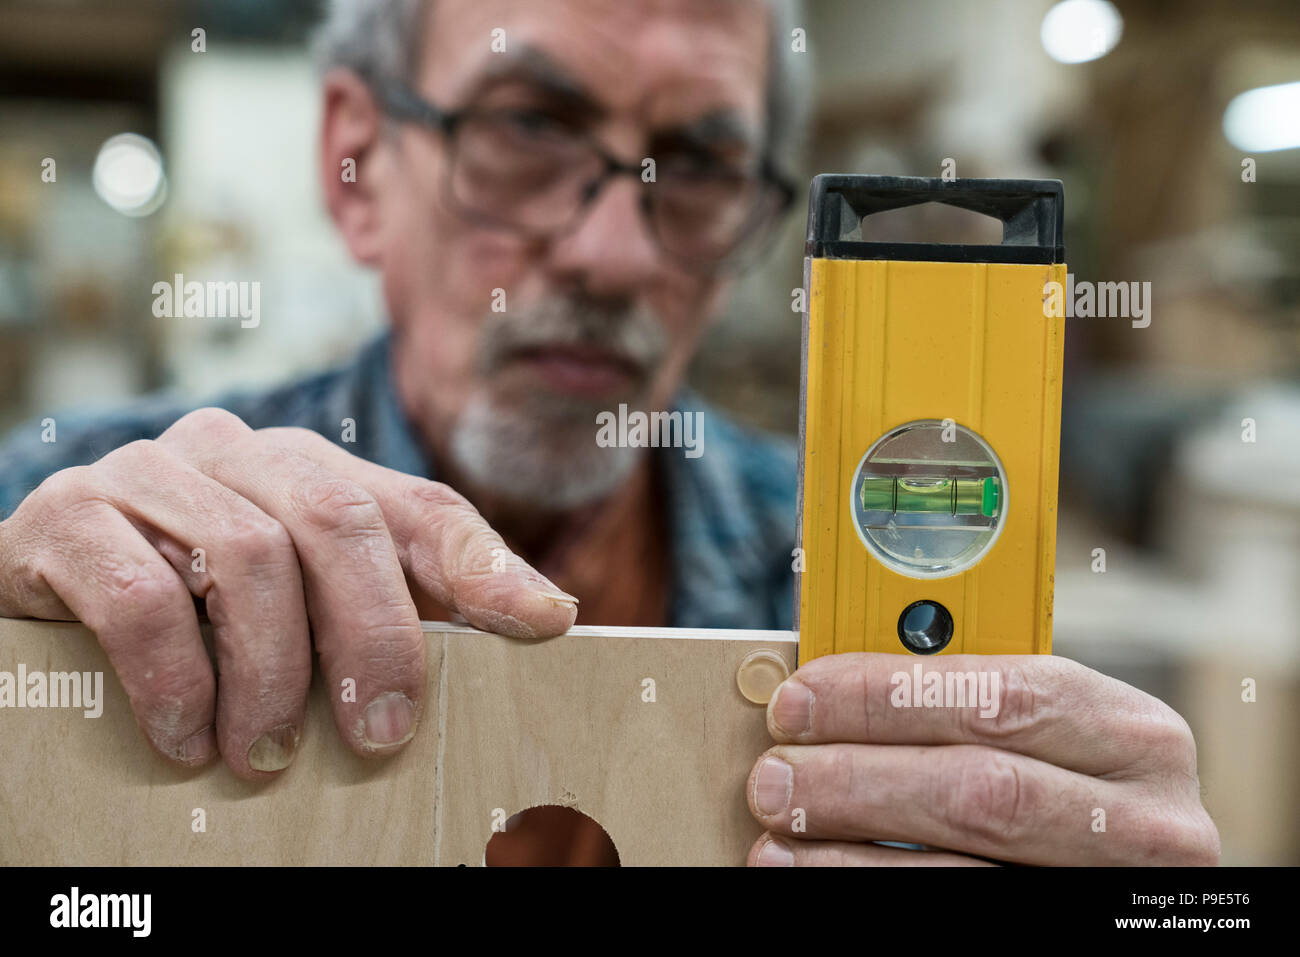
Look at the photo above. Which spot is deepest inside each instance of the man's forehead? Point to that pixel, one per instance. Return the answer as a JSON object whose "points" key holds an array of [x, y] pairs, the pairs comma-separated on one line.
{"points": [[627, 54]]}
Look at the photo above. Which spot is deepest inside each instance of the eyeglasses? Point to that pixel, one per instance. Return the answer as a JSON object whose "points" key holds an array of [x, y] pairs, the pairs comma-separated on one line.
{"points": [[524, 171]]}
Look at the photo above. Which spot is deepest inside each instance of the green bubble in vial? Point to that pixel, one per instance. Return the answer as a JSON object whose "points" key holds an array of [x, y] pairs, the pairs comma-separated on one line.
{"points": [[933, 495], [989, 505]]}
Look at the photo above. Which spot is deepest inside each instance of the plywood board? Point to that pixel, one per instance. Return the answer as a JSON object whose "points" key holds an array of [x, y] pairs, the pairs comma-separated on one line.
{"points": [[508, 725]]}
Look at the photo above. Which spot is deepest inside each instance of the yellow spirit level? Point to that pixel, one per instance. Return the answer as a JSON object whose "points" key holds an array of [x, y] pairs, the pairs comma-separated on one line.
{"points": [[930, 425]]}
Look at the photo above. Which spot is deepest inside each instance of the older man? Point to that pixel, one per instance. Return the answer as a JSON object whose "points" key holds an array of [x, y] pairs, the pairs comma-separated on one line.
{"points": [[536, 276]]}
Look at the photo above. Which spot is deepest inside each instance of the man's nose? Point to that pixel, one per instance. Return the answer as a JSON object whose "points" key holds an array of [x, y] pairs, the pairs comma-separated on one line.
{"points": [[609, 251]]}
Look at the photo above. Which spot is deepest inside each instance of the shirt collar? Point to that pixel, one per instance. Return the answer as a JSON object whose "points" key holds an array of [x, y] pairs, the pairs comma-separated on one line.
{"points": [[717, 546]]}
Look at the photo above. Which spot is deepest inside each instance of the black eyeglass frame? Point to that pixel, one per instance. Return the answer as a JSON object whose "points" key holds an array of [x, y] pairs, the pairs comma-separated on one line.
{"points": [[402, 103]]}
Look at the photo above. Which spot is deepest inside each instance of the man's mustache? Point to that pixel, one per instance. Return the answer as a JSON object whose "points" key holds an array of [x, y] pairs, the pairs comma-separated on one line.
{"points": [[626, 332]]}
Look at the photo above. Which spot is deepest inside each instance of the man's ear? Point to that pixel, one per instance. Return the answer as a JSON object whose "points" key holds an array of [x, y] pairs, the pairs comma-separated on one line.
{"points": [[351, 128]]}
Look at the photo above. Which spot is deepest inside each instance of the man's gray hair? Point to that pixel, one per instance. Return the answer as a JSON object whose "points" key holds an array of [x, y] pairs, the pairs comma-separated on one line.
{"points": [[380, 40]]}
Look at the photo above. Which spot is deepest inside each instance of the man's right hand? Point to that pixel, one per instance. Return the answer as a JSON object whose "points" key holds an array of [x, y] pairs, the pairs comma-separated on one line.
{"points": [[299, 540]]}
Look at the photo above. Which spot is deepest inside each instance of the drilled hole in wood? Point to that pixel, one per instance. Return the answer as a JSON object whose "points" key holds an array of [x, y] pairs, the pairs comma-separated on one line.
{"points": [[551, 835]]}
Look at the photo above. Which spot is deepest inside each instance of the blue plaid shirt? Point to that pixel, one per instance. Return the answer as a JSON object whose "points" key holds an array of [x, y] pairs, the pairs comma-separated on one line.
{"points": [[730, 516]]}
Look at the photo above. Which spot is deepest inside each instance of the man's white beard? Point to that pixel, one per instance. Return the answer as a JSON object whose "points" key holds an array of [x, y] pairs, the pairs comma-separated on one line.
{"points": [[545, 456]]}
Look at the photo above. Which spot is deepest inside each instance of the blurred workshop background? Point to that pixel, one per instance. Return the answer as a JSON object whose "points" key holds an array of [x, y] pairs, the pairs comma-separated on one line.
{"points": [[1175, 126]]}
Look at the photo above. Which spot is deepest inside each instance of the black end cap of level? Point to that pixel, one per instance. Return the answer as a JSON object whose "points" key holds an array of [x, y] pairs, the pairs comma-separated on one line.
{"points": [[1031, 211]]}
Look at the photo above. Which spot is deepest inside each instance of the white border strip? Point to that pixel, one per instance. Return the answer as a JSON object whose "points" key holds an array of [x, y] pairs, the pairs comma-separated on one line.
{"points": [[614, 631]]}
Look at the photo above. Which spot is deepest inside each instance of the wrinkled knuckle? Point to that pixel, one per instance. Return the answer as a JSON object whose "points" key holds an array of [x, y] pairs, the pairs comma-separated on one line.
{"points": [[133, 455], [437, 495], [1020, 705], [1167, 738], [139, 593], [399, 648], [66, 490], [392, 619], [459, 527], [338, 506], [857, 786], [1168, 837], [260, 541], [293, 437], [987, 799], [210, 421], [28, 572]]}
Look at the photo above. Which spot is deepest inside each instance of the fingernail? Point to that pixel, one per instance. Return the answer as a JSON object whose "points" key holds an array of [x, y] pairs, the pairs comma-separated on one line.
{"points": [[546, 588], [390, 720], [772, 786], [792, 710], [774, 854], [274, 750], [198, 746], [559, 596]]}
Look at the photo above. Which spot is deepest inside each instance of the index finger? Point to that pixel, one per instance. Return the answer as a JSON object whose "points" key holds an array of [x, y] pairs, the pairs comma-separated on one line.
{"points": [[1041, 706], [447, 548]]}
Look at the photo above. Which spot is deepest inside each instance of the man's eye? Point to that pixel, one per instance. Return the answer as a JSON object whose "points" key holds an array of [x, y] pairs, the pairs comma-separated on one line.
{"points": [[701, 166], [536, 122]]}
